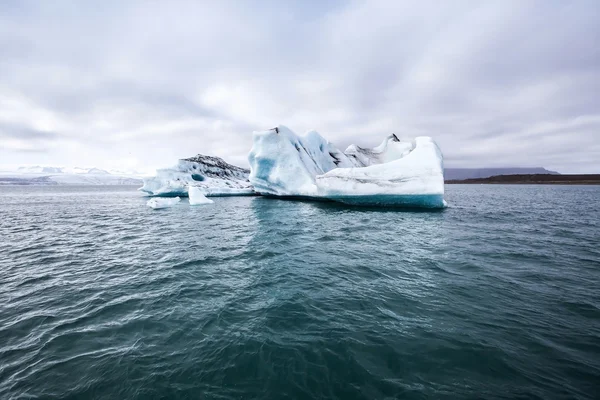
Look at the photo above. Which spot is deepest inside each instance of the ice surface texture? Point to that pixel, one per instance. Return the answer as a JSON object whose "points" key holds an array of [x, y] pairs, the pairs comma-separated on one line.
{"points": [[197, 196], [211, 175], [160, 202], [283, 164], [396, 173], [406, 173]]}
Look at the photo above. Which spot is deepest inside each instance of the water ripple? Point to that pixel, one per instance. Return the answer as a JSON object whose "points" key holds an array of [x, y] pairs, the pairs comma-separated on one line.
{"points": [[496, 297]]}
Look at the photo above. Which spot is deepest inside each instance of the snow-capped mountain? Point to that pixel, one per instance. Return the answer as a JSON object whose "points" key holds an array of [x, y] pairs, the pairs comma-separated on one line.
{"points": [[53, 175]]}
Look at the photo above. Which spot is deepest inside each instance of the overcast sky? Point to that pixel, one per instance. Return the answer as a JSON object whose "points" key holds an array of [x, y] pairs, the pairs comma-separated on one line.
{"points": [[126, 84]]}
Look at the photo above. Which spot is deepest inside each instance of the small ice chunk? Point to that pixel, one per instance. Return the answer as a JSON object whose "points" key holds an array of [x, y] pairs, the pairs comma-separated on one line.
{"points": [[197, 197], [162, 202]]}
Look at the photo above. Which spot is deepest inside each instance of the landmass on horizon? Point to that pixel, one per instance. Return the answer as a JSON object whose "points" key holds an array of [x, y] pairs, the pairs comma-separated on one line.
{"points": [[54, 175], [533, 179], [212, 167]]}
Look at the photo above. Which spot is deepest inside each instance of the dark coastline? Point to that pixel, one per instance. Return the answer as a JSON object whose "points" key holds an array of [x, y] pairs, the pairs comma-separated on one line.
{"points": [[533, 179]]}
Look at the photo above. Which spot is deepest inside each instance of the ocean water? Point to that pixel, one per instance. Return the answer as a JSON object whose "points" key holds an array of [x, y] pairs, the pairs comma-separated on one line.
{"points": [[497, 296]]}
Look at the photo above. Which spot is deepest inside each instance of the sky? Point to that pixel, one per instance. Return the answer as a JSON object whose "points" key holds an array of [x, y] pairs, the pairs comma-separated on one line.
{"points": [[137, 85]]}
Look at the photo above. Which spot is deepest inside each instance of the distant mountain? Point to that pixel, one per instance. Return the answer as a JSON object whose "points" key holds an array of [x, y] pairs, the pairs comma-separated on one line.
{"points": [[44, 175], [12, 181], [536, 179], [36, 169], [40, 175], [98, 171], [477, 173]]}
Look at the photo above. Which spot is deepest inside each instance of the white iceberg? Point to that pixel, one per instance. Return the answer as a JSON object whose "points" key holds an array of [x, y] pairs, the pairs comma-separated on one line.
{"points": [[406, 173], [211, 175], [197, 197], [416, 179], [162, 202], [398, 172], [283, 164]]}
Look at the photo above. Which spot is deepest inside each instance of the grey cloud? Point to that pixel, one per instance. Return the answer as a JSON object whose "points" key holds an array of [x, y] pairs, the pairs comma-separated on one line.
{"points": [[124, 94], [33, 151], [495, 83], [26, 133]]}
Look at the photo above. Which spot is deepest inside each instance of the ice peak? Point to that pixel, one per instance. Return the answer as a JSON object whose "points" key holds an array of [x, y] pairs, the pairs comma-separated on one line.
{"points": [[216, 162], [212, 176]]}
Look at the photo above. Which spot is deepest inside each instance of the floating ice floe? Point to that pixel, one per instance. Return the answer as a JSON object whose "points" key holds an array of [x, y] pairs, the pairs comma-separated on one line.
{"points": [[211, 175], [197, 196], [162, 202], [406, 173]]}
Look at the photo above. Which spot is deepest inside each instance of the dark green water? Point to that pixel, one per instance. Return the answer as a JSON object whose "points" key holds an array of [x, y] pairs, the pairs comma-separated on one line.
{"points": [[498, 296]]}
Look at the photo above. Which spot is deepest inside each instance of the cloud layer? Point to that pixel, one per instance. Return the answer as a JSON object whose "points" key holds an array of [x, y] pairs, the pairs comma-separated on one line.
{"points": [[140, 84]]}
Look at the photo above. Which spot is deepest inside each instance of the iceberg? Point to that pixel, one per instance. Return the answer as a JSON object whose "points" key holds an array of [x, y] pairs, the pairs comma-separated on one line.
{"points": [[415, 179], [211, 175], [162, 202], [283, 164], [403, 173], [397, 173], [197, 197]]}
